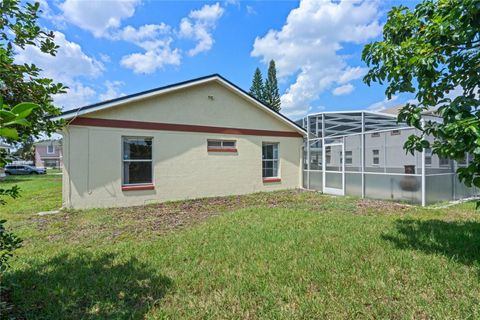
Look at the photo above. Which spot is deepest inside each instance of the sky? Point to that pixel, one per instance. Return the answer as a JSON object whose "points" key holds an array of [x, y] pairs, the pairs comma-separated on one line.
{"points": [[114, 48]]}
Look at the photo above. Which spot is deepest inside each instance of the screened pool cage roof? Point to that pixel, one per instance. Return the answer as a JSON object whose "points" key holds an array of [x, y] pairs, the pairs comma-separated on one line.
{"points": [[336, 124]]}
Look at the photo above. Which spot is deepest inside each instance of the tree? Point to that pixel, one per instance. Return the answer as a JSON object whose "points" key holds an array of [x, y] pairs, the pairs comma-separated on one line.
{"points": [[433, 50], [257, 89], [22, 82], [20, 120], [271, 94], [26, 150]]}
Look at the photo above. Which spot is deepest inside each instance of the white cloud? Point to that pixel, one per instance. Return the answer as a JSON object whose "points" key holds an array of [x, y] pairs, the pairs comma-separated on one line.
{"points": [[68, 66], [250, 10], [308, 43], [112, 90], [77, 95], [199, 25], [152, 60], [343, 90], [98, 16], [104, 19], [384, 104]]}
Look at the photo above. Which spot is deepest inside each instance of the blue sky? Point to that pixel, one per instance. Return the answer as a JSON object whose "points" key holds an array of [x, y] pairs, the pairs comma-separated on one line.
{"points": [[109, 49]]}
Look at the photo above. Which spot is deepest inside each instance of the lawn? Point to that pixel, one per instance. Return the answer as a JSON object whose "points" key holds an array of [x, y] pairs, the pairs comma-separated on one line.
{"points": [[287, 255]]}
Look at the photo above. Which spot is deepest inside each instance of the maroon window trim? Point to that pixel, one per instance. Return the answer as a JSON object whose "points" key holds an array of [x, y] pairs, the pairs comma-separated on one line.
{"points": [[138, 187], [272, 180], [127, 124]]}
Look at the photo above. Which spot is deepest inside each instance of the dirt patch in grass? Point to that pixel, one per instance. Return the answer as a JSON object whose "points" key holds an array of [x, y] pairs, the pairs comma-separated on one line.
{"points": [[154, 219], [366, 206]]}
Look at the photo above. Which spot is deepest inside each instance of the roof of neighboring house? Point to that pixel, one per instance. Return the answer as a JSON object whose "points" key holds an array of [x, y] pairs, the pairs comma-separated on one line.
{"points": [[48, 143], [177, 86]]}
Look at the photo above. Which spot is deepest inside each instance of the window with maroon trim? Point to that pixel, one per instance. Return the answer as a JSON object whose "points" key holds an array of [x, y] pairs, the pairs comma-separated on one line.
{"points": [[270, 160], [137, 161], [222, 145]]}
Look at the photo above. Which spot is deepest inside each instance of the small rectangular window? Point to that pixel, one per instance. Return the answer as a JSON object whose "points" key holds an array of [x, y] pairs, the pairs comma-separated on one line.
{"points": [[375, 134], [328, 155], [348, 157], [428, 157], [137, 160], [376, 157], [444, 162], [222, 145], [395, 132], [50, 149], [270, 160]]}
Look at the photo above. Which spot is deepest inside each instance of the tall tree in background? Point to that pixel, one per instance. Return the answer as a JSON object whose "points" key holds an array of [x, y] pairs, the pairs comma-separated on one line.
{"points": [[257, 89], [271, 94], [432, 51]]}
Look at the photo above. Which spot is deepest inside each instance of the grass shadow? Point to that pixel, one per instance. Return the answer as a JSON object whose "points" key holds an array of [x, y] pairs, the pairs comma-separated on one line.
{"points": [[85, 287], [459, 241]]}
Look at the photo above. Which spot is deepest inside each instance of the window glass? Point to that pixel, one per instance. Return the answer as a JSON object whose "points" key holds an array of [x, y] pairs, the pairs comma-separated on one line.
{"points": [[375, 134], [376, 156], [270, 160], [50, 149], [221, 144], [348, 157], [395, 132], [137, 160], [137, 149], [428, 157]]}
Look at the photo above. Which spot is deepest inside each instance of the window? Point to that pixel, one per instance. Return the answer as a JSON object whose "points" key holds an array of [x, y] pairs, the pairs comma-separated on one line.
{"points": [[375, 134], [428, 157], [376, 157], [222, 145], [270, 160], [348, 157], [328, 155], [444, 162], [395, 132], [137, 160], [50, 149]]}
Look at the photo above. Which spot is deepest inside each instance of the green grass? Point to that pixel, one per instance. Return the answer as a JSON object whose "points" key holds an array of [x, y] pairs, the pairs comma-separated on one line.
{"points": [[279, 255]]}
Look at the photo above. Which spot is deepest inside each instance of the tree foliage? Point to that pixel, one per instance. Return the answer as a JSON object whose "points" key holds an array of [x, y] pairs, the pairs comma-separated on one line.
{"points": [[257, 89], [432, 51], [22, 82], [272, 95]]}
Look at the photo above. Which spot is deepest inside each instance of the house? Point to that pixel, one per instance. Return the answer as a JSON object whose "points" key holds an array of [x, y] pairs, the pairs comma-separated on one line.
{"points": [[49, 154], [200, 138]]}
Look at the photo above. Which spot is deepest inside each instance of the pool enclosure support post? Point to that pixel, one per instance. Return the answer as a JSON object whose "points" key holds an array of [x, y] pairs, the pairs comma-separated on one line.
{"points": [[362, 154], [424, 186], [308, 152], [323, 153]]}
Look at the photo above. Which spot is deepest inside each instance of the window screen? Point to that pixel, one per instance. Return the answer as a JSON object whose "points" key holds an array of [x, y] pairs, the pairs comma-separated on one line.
{"points": [[221, 144], [270, 160], [137, 160]]}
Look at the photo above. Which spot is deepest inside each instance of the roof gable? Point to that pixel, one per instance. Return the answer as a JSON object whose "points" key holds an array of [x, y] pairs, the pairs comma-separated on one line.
{"points": [[70, 114]]}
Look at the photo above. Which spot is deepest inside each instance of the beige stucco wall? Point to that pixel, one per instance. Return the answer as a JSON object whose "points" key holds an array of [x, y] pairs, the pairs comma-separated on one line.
{"points": [[183, 168], [192, 106]]}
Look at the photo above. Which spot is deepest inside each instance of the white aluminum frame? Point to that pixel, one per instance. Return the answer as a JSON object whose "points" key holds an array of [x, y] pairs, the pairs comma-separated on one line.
{"points": [[311, 138]]}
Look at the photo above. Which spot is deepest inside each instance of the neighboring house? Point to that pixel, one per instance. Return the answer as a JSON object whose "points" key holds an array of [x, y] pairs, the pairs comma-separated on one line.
{"points": [[5, 148], [200, 138], [49, 154]]}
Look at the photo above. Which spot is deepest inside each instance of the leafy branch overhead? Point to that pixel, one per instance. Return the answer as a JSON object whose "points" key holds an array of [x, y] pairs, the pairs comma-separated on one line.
{"points": [[23, 82], [433, 51]]}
